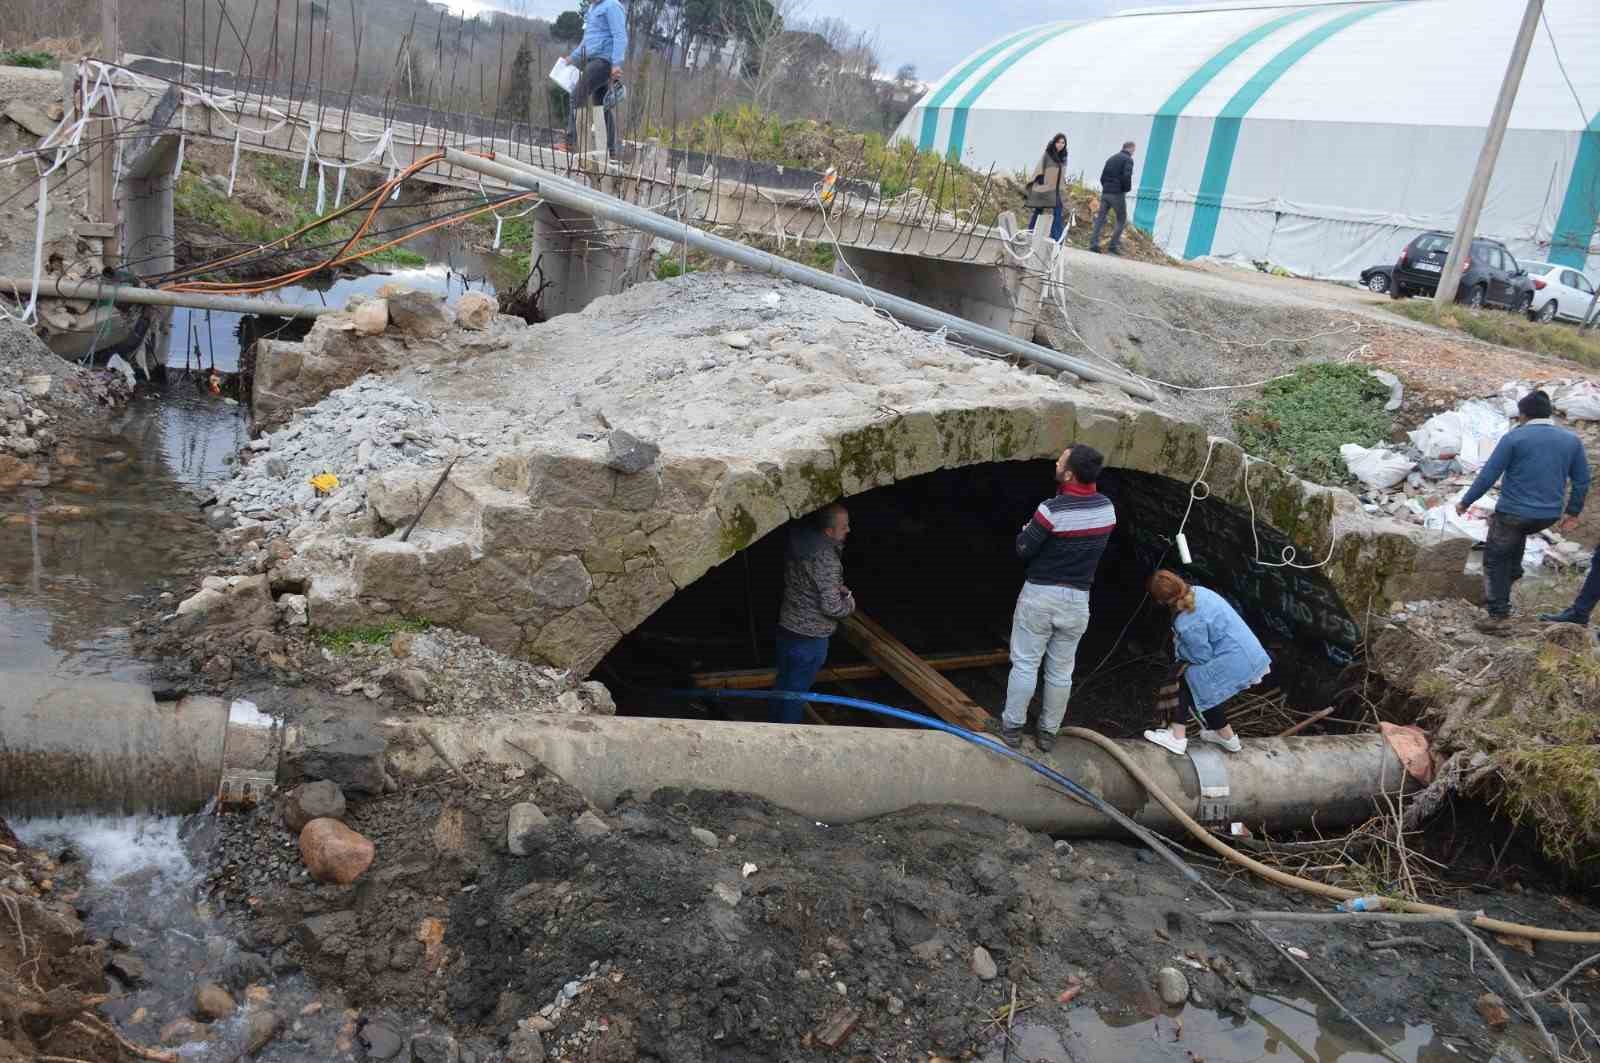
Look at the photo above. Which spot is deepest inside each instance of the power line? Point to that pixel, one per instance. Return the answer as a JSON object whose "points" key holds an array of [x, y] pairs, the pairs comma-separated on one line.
{"points": [[1583, 112]]}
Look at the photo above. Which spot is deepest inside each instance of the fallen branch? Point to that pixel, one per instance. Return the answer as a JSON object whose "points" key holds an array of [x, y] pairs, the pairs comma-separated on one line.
{"points": [[1559, 982], [1394, 943], [103, 1029], [1320, 714]]}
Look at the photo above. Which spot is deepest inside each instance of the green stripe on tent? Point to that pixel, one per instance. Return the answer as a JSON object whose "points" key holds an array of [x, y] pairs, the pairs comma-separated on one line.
{"points": [[930, 106], [1580, 208], [1225, 130], [958, 121], [1159, 151]]}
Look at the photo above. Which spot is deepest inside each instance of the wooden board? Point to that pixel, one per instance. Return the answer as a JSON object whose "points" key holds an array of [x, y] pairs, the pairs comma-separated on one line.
{"points": [[763, 678], [942, 697]]}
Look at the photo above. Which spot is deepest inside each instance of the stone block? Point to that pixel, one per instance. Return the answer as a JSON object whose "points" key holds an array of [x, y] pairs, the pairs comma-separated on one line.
{"points": [[637, 492], [689, 546], [688, 484], [561, 583], [345, 751], [388, 569], [630, 600], [966, 435], [569, 480], [321, 799], [749, 505], [525, 818], [577, 639], [418, 314], [866, 457], [1057, 426], [1102, 431]]}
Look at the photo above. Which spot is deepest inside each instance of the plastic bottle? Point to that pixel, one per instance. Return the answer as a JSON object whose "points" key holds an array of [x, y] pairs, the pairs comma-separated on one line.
{"points": [[1372, 903]]}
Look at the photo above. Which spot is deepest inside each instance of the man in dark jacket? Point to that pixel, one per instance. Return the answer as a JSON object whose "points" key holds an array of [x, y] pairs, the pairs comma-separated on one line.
{"points": [[1116, 181], [815, 599], [1536, 460], [1061, 545]]}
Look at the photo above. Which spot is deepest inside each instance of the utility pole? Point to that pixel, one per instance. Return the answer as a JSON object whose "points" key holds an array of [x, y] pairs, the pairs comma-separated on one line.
{"points": [[1450, 278]]}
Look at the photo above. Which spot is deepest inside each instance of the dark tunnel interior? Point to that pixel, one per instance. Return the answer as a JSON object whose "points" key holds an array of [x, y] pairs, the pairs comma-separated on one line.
{"points": [[932, 560]]}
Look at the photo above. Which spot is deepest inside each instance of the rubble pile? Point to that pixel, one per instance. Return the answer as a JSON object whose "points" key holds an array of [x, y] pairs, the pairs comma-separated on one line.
{"points": [[366, 427], [1422, 481], [43, 402]]}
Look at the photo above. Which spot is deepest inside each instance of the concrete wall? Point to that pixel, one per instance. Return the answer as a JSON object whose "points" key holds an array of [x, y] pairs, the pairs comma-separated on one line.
{"points": [[986, 294]]}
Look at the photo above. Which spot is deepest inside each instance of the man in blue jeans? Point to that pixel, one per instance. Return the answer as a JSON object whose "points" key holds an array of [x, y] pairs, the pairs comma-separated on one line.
{"points": [[815, 599], [599, 58], [1062, 544], [1534, 463]]}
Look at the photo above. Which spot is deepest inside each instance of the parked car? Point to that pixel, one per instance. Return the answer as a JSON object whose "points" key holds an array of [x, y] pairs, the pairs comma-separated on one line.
{"points": [[1558, 291], [1377, 278], [1490, 275]]}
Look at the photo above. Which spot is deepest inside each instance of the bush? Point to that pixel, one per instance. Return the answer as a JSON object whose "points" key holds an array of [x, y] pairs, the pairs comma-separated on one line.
{"points": [[31, 60], [1300, 422]]}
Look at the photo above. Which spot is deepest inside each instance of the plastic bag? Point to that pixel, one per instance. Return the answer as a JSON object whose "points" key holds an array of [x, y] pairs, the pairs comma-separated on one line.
{"points": [[1377, 467], [565, 74], [1580, 403], [1468, 433]]}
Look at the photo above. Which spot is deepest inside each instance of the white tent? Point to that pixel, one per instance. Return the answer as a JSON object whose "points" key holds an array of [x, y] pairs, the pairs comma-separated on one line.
{"points": [[1317, 136]]}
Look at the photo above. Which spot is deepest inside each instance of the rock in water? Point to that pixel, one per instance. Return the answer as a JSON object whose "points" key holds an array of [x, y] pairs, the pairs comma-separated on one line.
{"points": [[983, 964], [264, 1026], [1172, 985], [525, 818], [333, 852], [313, 800], [476, 311], [212, 1002], [630, 454], [381, 1040]]}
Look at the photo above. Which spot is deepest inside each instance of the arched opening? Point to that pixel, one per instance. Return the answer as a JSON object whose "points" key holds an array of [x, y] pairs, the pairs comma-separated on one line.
{"points": [[931, 558]]}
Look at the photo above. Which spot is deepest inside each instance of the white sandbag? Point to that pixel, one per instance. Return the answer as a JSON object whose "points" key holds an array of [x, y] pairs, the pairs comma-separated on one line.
{"points": [[1580, 403], [1376, 467], [565, 74], [1467, 433]]}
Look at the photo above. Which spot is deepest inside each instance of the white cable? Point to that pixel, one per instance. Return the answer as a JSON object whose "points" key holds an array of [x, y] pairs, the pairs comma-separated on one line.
{"points": [[1288, 554]]}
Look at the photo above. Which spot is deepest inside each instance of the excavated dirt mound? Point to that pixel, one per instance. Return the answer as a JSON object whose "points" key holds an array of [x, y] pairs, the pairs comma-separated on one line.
{"points": [[701, 926]]}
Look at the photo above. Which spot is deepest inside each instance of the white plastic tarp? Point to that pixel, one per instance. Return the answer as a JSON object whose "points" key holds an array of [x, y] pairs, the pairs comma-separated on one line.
{"points": [[1469, 433]]}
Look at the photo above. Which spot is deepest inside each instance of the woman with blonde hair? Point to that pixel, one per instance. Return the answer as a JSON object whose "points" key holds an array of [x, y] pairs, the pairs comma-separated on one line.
{"points": [[1217, 656]]}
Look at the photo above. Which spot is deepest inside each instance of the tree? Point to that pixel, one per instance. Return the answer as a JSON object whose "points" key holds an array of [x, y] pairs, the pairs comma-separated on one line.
{"points": [[568, 27], [768, 48], [518, 98], [906, 74]]}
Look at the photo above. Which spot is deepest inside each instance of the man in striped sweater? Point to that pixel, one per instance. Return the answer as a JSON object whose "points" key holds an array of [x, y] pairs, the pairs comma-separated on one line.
{"points": [[1061, 546]]}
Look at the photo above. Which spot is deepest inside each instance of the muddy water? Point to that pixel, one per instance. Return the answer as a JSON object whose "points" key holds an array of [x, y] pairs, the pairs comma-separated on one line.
{"points": [[79, 558]]}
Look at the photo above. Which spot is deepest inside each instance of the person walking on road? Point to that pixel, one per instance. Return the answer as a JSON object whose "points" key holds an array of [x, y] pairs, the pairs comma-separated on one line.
{"points": [[1217, 656], [815, 599], [1044, 191], [1534, 463], [1582, 607], [600, 56], [1062, 544], [1116, 181]]}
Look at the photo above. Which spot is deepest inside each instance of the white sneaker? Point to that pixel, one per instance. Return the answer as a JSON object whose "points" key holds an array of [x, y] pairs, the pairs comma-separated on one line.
{"points": [[1164, 739], [1232, 745]]}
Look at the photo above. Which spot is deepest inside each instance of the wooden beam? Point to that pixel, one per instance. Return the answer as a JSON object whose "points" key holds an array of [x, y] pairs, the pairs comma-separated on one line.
{"points": [[763, 678], [941, 696]]}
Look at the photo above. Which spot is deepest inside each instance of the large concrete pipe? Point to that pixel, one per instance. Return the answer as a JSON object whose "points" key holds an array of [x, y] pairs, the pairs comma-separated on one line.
{"points": [[841, 774], [96, 746]]}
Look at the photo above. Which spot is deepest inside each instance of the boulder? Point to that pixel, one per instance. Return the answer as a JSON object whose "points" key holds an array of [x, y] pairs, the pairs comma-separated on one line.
{"points": [[263, 1027], [983, 964], [412, 682], [590, 825], [371, 317], [435, 1048], [381, 1040], [294, 611], [704, 837], [313, 800], [1172, 985], [476, 311], [418, 314], [241, 602], [525, 818], [332, 852], [212, 1002]]}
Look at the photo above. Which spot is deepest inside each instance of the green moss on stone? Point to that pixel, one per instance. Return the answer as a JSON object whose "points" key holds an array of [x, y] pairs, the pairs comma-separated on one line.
{"points": [[867, 455], [823, 485], [738, 531]]}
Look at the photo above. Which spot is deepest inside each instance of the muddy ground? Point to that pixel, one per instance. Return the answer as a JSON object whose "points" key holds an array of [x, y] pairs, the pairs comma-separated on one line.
{"points": [[703, 926]]}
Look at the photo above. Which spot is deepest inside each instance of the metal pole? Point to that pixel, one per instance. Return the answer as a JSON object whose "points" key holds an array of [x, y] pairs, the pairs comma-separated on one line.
{"points": [[609, 209], [1589, 320], [1478, 189], [50, 288]]}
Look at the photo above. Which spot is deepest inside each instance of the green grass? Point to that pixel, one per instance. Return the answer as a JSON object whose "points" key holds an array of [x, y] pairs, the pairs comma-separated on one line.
{"points": [[345, 639], [1301, 421], [1508, 330], [31, 60]]}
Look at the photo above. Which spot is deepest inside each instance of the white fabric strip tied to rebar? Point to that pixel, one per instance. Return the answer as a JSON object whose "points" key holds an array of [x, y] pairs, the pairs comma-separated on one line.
{"points": [[311, 149], [233, 168]]}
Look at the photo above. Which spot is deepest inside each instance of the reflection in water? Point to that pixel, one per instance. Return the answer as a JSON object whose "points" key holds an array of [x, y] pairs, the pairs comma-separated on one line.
{"points": [[74, 556]]}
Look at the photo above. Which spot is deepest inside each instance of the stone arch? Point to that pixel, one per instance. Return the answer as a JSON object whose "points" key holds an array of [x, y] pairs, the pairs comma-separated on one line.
{"points": [[554, 555]]}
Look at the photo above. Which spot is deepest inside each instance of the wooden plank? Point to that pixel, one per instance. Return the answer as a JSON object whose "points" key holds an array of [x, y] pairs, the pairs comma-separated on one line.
{"points": [[763, 678], [941, 696]]}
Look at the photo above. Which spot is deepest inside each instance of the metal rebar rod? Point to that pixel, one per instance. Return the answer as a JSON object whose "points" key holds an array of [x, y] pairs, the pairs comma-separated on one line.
{"points": [[614, 211], [51, 288]]}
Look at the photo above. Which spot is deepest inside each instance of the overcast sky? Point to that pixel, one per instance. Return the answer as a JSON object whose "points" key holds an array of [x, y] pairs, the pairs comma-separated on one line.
{"points": [[933, 34]]}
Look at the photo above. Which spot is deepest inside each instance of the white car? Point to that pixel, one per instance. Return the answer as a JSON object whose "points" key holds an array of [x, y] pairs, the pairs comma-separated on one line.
{"points": [[1558, 291]]}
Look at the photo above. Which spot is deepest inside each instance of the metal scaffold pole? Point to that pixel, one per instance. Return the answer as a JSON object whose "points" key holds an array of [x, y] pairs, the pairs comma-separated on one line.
{"points": [[610, 209]]}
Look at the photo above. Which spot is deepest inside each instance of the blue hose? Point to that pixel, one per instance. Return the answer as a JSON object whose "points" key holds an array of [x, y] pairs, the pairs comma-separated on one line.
{"points": [[1089, 798]]}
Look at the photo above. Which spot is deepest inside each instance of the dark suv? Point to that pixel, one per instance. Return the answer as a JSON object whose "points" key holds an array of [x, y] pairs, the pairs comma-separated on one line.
{"points": [[1489, 273]]}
